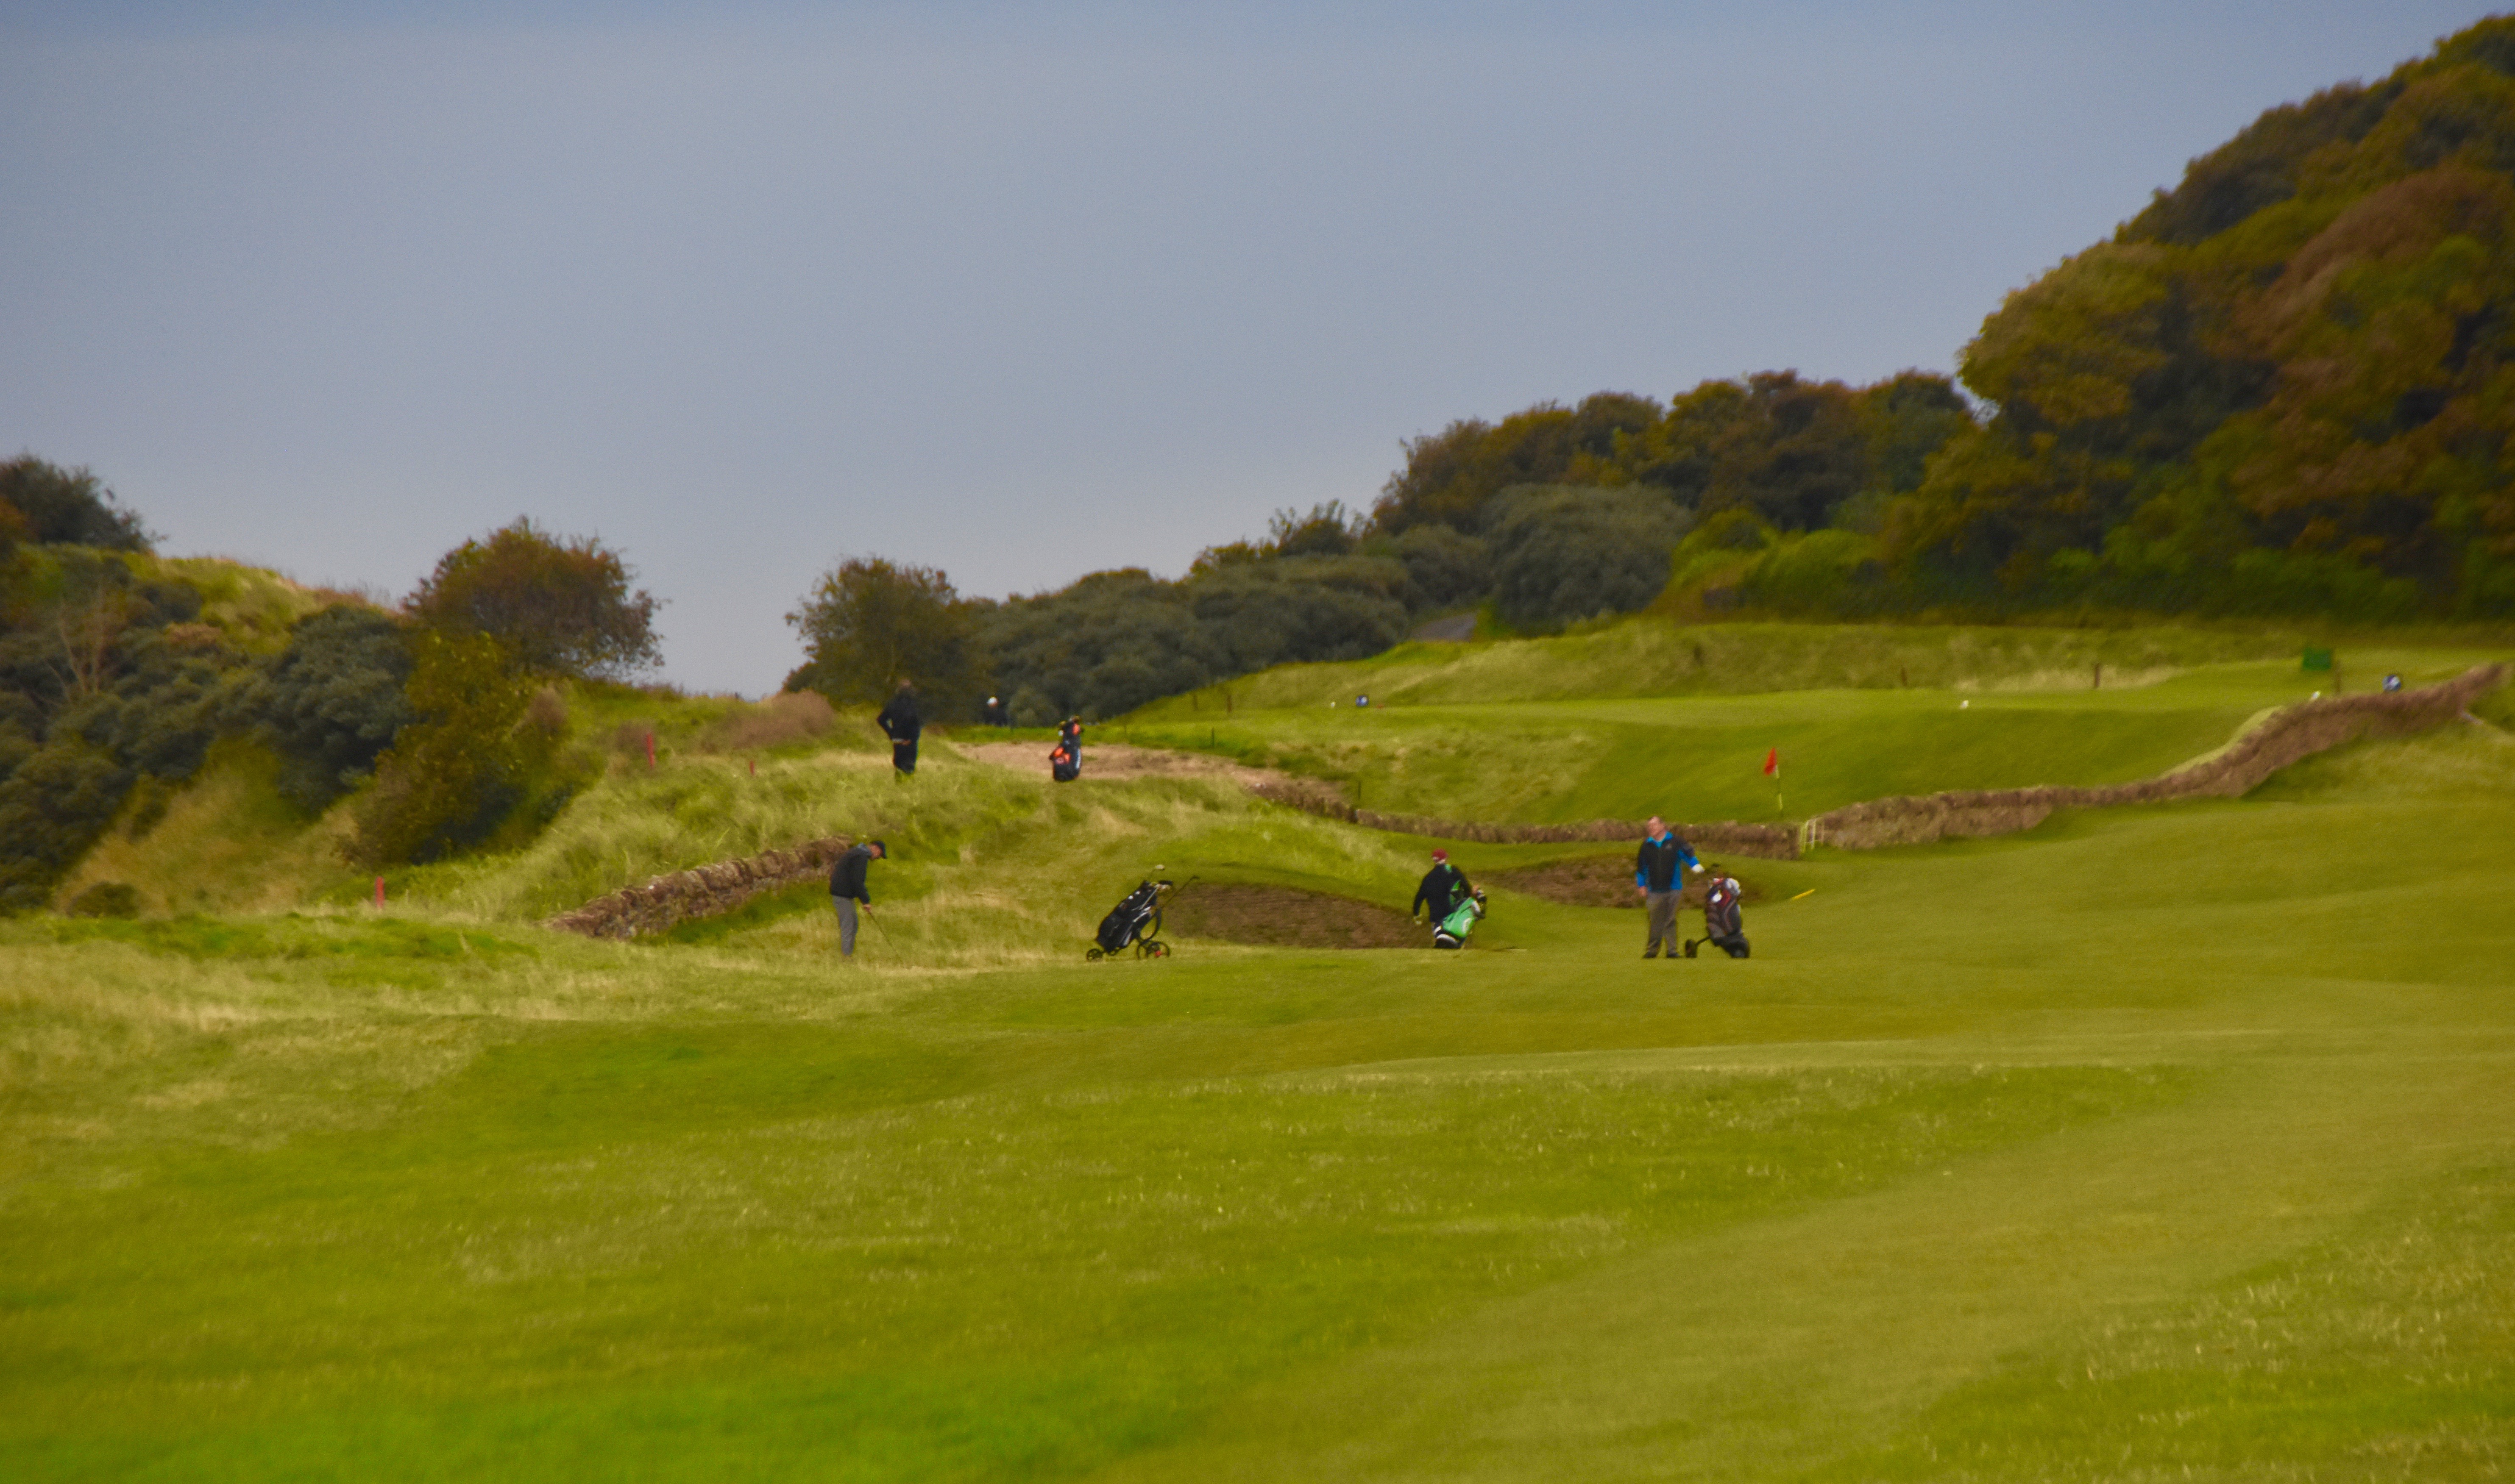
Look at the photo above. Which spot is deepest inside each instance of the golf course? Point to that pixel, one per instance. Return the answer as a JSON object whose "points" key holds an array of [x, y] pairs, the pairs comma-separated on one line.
{"points": [[2155, 1142]]}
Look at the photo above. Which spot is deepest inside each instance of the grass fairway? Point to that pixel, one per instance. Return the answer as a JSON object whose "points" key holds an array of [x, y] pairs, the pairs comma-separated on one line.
{"points": [[2159, 1143]]}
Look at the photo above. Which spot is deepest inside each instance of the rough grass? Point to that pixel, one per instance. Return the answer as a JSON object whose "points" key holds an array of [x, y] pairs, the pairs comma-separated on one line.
{"points": [[1651, 655]]}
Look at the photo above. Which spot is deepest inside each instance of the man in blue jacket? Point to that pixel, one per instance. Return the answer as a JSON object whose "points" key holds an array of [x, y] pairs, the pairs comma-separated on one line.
{"points": [[1659, 880]]}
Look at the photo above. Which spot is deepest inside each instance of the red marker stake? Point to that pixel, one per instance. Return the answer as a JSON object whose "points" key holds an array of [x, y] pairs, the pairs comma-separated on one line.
{"points": [[650, 752], [380, 894]]}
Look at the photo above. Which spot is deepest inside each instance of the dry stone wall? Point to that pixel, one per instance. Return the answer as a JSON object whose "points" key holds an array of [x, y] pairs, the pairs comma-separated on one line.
{"points": [[701, 892]]}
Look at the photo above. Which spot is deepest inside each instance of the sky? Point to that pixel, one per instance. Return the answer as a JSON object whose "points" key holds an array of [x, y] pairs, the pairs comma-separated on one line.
{"points": [[1016, 290]]}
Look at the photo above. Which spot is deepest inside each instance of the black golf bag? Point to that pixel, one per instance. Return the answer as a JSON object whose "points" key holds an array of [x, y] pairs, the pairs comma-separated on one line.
{"points": [[1063, 766], [1724, 927], [1137, 920]]}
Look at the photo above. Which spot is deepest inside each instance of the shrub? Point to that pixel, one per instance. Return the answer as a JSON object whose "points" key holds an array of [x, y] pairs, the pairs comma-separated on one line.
{"points": [[452, 776], [65, 507], [332, 701], [557, 606]]}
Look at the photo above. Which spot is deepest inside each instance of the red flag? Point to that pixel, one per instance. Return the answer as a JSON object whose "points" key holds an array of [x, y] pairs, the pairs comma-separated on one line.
{"points": [[1773, 763]]}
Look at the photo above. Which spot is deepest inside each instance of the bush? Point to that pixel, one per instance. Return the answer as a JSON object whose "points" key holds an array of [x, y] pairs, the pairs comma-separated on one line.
{"points": [[557, 606], [53, 506], [1444, 567], [869, 623], [473, 761], [331, 703], [1568, 554]]}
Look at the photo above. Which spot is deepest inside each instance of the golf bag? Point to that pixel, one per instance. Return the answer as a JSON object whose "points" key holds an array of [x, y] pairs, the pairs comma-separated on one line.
{"points": [[1063, 766], [1452, 932], [1723, 925], [1136, 921]]}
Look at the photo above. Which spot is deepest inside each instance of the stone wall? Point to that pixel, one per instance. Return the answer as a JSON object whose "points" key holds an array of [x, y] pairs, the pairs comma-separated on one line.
{"points": [[700, 891]]}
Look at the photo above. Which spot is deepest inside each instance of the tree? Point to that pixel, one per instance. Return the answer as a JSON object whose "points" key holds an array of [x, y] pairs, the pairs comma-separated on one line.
{"points": [[870, 623], [55, 505], [1567, 554], [332, 701], [560, 606]]}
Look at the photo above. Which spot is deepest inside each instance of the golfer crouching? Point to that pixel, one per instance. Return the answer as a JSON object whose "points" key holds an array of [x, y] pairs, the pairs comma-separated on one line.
{"points": [[847, 888]]}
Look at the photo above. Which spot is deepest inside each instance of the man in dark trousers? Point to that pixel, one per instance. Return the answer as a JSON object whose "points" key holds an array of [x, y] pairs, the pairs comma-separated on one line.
{"points": [[900, 723], [1657, 878], [1443, 888], [994, 713], [847, 888]]}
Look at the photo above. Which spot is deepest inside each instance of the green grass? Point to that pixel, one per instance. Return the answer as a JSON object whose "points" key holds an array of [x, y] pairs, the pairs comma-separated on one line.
{"points": [[2149, 1141], [1702, 758]]}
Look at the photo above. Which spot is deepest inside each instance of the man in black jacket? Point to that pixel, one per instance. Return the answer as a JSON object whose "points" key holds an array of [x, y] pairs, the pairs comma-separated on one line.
{"points": [[847, 888], [1444, 887], [1656, 875], [900, 723]]}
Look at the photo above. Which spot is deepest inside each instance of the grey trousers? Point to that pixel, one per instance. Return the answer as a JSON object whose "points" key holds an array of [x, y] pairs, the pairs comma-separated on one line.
{"points": [[847, 911], [1663, 923]]}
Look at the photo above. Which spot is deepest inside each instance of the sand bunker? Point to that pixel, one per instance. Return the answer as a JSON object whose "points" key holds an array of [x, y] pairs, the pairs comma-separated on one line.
{"points": [[1287, 917]]}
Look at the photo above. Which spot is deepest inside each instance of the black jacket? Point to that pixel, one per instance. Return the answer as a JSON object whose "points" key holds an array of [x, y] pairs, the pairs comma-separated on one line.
{"points": [[847, 877], [1656, 867], [898, 720], [1443, 885]]}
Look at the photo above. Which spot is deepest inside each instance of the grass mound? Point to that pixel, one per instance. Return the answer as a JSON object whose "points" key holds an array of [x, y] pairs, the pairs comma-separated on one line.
{"points": [[1604, 881]]}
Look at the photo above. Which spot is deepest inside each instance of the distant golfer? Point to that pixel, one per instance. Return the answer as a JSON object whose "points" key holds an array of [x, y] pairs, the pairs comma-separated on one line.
{"points": [[1657, 877], [900, 722], [1724, 927], [847, 888], [994, 713], [1444, 887]]}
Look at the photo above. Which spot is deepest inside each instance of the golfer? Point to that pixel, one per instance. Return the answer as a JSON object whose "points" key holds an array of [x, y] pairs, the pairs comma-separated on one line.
{"points": [[1658, 879], [1444, 887], [847, 888], [900, 722]]}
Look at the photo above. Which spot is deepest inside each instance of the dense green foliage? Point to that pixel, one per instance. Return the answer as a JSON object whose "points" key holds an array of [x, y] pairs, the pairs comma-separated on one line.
{"points": [[869, 625], [45, 504], [2287, 386], [483, 752], [560, 606], [333, 700]]}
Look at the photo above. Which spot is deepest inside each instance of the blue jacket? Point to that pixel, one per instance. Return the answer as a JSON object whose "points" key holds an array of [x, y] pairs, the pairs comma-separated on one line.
{"points": [[1655, 870]]}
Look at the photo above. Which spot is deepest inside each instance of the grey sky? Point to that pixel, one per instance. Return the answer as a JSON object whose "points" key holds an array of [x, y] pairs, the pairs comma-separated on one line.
{"points": [[1020, 291]]}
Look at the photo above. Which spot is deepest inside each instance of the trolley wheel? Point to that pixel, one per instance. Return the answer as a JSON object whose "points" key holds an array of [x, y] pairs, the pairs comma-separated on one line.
{"points": [[1092, 955], [1151, 948]]}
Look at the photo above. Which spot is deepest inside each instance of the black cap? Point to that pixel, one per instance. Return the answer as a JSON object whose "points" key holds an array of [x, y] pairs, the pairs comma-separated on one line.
{"points": [[878, 845]]}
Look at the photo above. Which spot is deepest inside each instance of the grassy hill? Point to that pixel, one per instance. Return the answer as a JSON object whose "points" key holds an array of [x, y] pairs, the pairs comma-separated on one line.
{"points": [[2148, 1140], [1623, 723]]}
